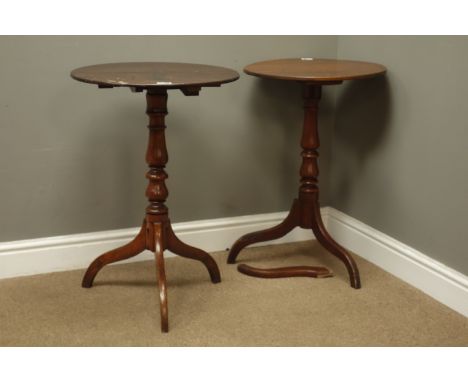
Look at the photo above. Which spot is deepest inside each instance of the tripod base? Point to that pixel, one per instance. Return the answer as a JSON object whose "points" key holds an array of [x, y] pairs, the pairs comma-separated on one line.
{"points": [[156, 235], [304, 213]]}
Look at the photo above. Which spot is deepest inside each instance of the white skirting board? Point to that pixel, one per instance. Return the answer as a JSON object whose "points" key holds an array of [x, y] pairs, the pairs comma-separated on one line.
{"points": [[28, 257], [435, 279], [62, 253]]}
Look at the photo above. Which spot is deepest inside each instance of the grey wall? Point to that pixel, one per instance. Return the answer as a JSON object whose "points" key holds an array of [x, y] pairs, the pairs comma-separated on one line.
{"points": [[72, 156], [400, 151]]}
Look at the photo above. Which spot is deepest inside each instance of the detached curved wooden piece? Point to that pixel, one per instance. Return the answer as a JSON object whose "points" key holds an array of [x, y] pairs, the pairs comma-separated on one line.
{"points": [[136, 246], [274, 273], [280, 230], [174, 244]]}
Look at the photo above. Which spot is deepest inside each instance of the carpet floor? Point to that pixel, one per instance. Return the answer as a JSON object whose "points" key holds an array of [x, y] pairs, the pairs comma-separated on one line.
{"points": [[122, 308]]}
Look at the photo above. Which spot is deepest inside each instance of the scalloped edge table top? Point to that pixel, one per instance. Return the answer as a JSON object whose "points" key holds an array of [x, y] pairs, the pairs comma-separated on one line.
{"points": [[318, 70], [170, 75]]}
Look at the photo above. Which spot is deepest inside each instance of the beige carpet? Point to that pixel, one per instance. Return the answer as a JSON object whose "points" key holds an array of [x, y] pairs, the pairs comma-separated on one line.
{"points": [[122, 308]]}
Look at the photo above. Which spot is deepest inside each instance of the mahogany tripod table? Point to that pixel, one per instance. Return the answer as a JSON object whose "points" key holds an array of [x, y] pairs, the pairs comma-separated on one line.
{"points": [[156, 233], [305, 211]]}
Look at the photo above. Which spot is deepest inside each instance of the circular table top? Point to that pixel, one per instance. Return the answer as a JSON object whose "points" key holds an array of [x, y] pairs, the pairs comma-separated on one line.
{"points": [[154, 74], [314, 69]]}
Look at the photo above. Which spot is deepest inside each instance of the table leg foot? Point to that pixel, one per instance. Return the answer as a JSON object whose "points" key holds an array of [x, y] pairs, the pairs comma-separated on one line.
{"points": [[280, 230], [136, 246], [174, 244], [161, 274], [324, 238], [274, 273]]}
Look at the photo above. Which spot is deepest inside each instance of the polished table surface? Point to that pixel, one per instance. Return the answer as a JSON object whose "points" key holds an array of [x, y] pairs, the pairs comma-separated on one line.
{"points": [[168, 75], [308, 69]]}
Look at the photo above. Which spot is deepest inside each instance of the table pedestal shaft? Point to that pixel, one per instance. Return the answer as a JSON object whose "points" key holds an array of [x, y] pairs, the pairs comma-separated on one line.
{"points": [[305, 211], [156, 233]]}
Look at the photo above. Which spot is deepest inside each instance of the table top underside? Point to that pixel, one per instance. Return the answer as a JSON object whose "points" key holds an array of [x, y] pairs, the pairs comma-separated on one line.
{"points": [[154, 75]]}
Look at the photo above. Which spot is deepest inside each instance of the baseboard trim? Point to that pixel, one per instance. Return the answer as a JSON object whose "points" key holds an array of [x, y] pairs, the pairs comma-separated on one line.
{"points": [[62, 253], [435, 279]]}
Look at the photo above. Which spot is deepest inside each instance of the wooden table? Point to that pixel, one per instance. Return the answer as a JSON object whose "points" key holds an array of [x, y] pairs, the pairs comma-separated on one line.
{"points": [[156, 233], [312, 74]]}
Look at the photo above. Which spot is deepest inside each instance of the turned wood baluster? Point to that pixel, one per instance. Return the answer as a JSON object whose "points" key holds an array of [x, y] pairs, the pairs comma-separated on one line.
{"points": [[308, 191], [156, 154]]}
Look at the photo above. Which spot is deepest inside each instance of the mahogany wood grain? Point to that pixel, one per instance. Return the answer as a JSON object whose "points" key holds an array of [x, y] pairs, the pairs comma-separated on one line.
{"points": [[175, 245], [136, 246], [318, 70], [275, 273], [156, 233], [166, 75], [305, 210], [161, 273], [280, 230]]}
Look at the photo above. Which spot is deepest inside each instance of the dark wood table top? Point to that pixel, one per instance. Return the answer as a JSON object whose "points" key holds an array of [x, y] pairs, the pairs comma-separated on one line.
{"points": [[314, 69], [169, 75]]}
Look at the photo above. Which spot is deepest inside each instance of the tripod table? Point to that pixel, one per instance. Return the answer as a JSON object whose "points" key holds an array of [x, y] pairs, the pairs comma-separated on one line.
{"points": [[156, 233], [312, 74]]}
